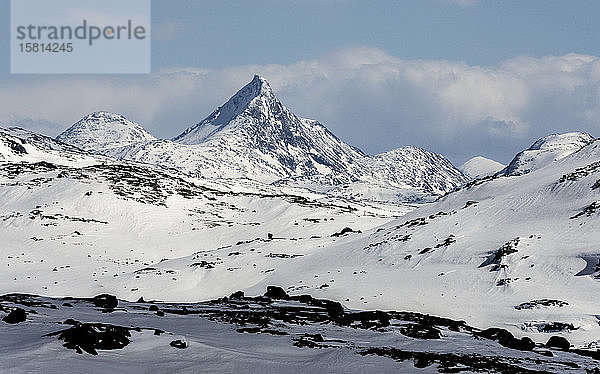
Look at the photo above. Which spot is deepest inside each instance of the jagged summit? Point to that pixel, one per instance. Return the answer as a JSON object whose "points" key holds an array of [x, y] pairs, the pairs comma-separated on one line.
{"points": [[255, 99], [254, 136], [102, 130], [257, 87], [547, 150]]}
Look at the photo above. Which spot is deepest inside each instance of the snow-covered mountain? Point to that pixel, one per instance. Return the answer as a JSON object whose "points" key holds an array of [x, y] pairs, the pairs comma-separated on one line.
{"points": [[254, 128], [20, 145], [518, 252], [480, 166], [254, 136], [101, 131], [413, 167], [546, 150]]}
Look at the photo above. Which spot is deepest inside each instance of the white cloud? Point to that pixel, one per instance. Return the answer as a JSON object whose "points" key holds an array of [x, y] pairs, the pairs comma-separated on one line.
{"points": [[367, 97]]}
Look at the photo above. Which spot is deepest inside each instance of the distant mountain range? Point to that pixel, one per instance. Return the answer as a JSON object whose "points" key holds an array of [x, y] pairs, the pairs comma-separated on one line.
{"points": [[254, 136], [222, 208]]}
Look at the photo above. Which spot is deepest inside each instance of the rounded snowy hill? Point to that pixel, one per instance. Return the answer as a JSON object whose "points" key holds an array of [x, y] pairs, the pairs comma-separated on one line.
{"points": [[100, 131], [547, 150], [480, 166]]}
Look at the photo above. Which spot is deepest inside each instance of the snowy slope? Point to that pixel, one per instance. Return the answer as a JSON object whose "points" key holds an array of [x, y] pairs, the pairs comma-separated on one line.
{"points": [[515, 252], [490, 253], [480, 166], [547, 150], [101, 131], [19, 145], [75, 226], [254, 136]]}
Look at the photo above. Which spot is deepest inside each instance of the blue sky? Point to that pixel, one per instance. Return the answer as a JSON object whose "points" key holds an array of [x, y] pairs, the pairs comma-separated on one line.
{"points": [[459, 77], [485, 32]]}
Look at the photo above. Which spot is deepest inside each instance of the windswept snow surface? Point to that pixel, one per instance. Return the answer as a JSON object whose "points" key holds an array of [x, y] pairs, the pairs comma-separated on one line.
{"points": [[270, 333]]}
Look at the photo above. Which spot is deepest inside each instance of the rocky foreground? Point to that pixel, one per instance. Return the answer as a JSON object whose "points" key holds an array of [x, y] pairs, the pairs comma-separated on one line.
{"points": [[273, 332]]}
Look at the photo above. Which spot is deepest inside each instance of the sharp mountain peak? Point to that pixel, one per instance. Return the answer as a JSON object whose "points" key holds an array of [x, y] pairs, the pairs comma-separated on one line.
{"points": [[256, 99]]}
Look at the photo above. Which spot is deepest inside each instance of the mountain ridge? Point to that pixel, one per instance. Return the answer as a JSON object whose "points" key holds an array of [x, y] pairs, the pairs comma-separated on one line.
{"points": [[547, 150], [101, 130], [253, 135]]}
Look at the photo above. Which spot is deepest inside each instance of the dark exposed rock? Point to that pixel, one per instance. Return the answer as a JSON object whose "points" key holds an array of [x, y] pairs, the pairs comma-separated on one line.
{"points": [[259, 330], [15, 146], [541, 303], [179, 344], [420, 331], [558, 342], [557, 327], [310, 341], [105, 301], [90, 337], [237, 295], [506, 339], [344, 231], [365, 320], [425, 250], [282, 255], [277, 293], [469, 203], [449, 362], [503, 281], [590, 210], [415, 222], [204, 264], [497, 256], [449, 240], [17, 315], [581, 172], [153, 308]]}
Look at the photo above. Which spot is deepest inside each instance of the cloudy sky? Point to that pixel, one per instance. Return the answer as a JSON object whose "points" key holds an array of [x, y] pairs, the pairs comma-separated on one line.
{"points": [[458, 77]]}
